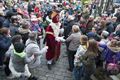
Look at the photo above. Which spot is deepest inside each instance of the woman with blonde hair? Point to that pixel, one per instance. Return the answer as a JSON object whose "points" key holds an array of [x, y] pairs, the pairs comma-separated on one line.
{"points": [[74, 43]]}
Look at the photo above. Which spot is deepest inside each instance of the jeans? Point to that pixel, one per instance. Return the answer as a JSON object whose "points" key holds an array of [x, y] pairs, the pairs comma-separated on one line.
{"points": [[78, 73]]}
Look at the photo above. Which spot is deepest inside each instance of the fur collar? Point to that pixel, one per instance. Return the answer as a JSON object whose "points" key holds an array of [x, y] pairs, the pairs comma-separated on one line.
{"points": [[114, 49], [56, 28]]}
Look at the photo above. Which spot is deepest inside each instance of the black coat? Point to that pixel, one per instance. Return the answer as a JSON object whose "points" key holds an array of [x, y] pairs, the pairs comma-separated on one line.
{"points": [[68, 28], [5, 43], [110, 27]]}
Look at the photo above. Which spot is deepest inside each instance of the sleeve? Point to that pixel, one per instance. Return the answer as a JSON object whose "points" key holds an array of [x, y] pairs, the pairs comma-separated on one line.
{"points": [[37, 52], [8, 53], [80, 52], [77, 56], [104, 53], [13, 71], [28, 60], [104, 46], [69, 38], [77, 53], [4, 44]]}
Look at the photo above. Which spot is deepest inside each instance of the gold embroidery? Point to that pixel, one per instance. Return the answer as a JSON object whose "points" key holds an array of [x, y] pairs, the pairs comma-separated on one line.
{"points": [[50, 33]]}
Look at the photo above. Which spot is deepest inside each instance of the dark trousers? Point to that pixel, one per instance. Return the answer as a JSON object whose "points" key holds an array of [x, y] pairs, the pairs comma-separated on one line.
{"points": [[1, 59], [6, 69], [71, 59]]}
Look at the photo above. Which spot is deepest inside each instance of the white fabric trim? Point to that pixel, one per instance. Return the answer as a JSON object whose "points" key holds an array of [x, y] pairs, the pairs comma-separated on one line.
{"points": [[56, 28]]}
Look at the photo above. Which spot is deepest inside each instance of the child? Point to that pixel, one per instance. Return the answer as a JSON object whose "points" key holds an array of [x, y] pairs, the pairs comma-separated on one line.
{"points": [[18, 61], [16, 38], [78, 69]]}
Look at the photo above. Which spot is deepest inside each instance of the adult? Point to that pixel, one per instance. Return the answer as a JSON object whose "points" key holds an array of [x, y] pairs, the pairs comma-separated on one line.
{"points": [[5, 43], [53, 39], [74, 43], [32, 48]]}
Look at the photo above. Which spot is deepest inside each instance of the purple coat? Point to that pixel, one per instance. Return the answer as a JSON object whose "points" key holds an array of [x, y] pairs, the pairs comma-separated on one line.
{"points": [[110, 55]]}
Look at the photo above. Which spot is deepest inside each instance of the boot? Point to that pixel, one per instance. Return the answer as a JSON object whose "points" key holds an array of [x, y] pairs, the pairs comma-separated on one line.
{"points": [[49, 66], [32, 78], [53, 62]]}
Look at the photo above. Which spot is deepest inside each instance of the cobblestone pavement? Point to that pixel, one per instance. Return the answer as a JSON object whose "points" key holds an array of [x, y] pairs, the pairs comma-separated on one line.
{"points": [[58, 72]]}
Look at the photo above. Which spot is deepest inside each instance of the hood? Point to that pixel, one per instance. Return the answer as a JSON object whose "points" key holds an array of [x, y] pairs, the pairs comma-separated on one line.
{"points": [[114, 49], [30, 41], [23, 31]]}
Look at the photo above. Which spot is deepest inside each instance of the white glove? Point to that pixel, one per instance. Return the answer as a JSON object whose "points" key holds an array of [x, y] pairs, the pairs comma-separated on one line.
{"points": [[40, 37], [44, 50], [57, 39], [62, 39]]}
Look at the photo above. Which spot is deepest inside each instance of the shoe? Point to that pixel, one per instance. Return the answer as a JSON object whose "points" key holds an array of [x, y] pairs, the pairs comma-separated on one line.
{"points": [[53, 62], [32, 78], [49, 66]]}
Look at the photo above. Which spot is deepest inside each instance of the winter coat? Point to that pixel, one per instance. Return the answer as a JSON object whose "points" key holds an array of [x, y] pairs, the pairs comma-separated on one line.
{"points": [[74, 41], [109, 52], [110, 27], [89, 62], [33, 48], [6, 23], [2, 19], [5, 43], [80, 51], [68, 28], [13, 30], [19, 60], [24, 33]]}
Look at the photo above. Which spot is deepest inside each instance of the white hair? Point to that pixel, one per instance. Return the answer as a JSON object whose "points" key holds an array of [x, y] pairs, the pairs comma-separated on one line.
{"points": [[75, 28]]}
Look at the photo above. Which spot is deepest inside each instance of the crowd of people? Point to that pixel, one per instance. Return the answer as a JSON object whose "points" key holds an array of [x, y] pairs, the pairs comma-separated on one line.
{"points": [[92, 42]]}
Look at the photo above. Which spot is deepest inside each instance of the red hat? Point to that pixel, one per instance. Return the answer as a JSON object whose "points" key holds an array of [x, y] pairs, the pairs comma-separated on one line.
{"points": [[55, 17]]}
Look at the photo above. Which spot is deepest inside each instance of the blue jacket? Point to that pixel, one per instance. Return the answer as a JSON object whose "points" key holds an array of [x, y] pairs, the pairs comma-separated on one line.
{"points": [[5, 43]]}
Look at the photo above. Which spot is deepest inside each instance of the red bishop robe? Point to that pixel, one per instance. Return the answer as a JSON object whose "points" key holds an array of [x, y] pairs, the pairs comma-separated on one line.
{"points": [[54, 46]]}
